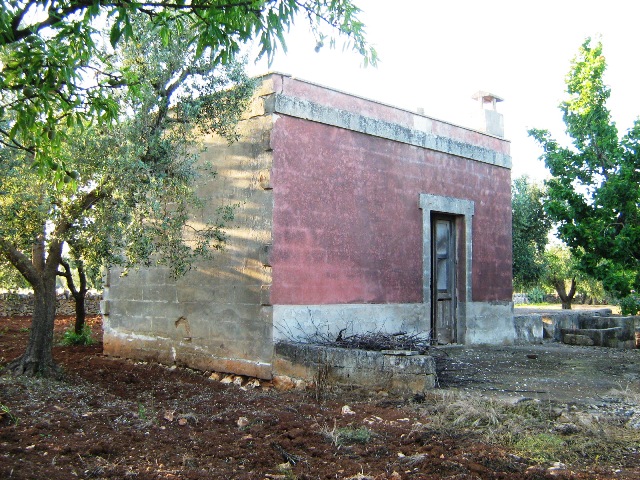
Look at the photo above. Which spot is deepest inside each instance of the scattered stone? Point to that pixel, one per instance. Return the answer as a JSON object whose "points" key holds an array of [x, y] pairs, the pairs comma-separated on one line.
{"points": [[253, 383], [566, 429], [182, 422], [238, 381], [634, 421], [283, 383], [300, 384], [227, 379], [557, 468], [215, 376], [242, 422], [169, 415], [346, 410]]}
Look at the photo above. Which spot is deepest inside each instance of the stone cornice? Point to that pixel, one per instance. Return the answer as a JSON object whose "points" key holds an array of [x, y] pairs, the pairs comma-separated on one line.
{"points": [[315, 112]]}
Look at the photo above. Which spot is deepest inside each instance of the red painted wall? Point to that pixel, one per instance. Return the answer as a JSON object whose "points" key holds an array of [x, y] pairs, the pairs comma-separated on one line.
{"points": [[347, 226]]}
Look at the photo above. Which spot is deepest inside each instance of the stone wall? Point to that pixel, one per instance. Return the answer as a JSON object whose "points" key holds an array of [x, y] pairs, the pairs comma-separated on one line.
{"points": [[13, 304], [218, 316]]}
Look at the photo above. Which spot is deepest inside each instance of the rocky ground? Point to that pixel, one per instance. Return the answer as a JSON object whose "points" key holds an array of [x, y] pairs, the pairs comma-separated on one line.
{"points": [[503, 413]]}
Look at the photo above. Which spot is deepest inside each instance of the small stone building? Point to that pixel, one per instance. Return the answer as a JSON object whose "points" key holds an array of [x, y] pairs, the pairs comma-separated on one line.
{"points": [[352, 215]]}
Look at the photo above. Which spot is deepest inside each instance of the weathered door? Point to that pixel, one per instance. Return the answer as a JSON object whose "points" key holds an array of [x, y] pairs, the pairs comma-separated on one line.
{"points": [[443, 281]]}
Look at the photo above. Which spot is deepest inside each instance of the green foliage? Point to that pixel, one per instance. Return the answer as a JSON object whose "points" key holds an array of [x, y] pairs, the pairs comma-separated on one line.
{"points": [[536, 295], [53, 61], [594, 194], [530, 231], [630, 305], [10, 278], [351, 436], [70, 337], [6, 412], [541, 447]]}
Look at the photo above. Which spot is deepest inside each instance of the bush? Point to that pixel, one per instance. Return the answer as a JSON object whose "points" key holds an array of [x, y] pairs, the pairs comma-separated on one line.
{"points": [[536, 295], [70, 337], [630, 305]]}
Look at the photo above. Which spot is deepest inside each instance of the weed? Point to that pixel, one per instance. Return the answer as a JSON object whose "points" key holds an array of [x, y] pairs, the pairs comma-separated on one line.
{"points": [[70, 337], [286, 470], [6, 412], [348, 435], [541, 447], [142, 412]]}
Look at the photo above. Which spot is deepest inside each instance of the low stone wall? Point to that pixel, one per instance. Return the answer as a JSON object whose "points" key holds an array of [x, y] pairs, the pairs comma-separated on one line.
{"points": [[381, 370], [18, 304], [614, 332], [578, 327]]}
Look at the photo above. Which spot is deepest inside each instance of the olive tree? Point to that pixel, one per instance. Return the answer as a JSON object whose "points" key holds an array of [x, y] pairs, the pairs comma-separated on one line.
{"points": [[131, 183]]}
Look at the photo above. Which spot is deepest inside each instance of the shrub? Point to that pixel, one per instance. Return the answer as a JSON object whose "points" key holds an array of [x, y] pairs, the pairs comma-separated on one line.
{"points": [[536, 295], [70, 337], [630, 305]]}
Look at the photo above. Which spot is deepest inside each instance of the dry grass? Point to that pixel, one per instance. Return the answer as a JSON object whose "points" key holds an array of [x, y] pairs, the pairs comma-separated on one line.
{"points": [[540, 431]]}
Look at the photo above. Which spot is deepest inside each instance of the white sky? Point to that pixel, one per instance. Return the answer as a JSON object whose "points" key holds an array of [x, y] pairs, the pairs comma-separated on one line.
{"points": [[436, 54]]}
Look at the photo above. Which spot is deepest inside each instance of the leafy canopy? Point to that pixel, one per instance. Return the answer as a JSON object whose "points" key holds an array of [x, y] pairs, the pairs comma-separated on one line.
{"points": [[134, 181], [530, 232], [53, 63], [594, 192]]}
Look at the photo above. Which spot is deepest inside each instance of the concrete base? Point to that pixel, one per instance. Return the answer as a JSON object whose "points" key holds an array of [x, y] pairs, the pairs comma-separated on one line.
{"points": [[375, 370], [489, 323], [529, 328], [184, 353], [554, 322], [309, 323]]}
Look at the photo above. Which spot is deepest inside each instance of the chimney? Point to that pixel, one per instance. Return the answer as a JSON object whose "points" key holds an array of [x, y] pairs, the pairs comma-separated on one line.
{"points": [[490, 120]]}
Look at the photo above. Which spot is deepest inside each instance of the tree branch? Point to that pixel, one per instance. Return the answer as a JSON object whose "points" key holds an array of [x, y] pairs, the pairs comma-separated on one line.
{"points": [[20, 261]]}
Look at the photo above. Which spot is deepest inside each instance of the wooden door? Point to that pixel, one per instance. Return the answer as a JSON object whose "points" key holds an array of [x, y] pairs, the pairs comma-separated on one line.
{"points": [[443, 281]]}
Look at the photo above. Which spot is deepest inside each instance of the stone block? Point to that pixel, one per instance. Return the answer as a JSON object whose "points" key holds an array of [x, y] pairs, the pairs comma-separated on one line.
{"points": [[265, 295], [575, 339], [529, 328], [166, 293]]}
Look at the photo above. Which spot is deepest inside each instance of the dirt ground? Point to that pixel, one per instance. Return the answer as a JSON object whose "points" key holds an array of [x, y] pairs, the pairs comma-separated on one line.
{"points": [[118, 419]]}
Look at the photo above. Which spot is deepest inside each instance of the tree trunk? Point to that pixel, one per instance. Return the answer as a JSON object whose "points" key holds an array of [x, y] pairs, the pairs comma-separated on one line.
{"points": [[80, 313], [78, 295], [38, 356], [565, 297]]}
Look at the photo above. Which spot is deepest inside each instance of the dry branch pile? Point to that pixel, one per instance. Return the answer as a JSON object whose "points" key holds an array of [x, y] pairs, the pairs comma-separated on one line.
{"points": [[378, 341]]}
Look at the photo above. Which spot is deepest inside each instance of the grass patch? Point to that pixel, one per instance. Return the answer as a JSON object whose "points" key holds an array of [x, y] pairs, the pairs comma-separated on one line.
{"points": [[345, 436], [540, 447], [70, 337], [532, 429]]}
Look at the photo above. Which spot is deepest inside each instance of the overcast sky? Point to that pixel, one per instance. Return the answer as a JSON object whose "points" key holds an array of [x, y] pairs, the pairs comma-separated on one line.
{"points": [[436, 54]]}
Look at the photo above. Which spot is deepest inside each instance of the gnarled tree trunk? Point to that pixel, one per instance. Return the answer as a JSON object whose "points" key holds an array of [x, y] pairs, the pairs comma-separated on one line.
{"points": [[565, 297], [38, 357], [40, 271]]}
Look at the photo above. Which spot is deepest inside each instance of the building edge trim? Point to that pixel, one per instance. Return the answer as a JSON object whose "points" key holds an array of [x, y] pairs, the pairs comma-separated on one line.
{"points": [[315, 112]]}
